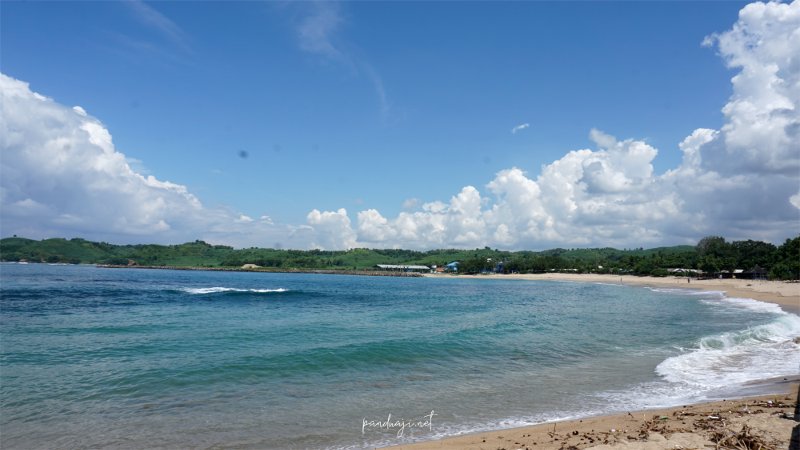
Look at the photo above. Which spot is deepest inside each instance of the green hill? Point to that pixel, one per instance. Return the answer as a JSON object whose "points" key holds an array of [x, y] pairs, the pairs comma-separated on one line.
{"points": [[712, 254]]}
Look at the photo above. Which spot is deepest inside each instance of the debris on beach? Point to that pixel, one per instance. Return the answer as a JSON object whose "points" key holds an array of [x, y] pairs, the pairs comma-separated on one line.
{"points": [[748, 424], [743, 439]]}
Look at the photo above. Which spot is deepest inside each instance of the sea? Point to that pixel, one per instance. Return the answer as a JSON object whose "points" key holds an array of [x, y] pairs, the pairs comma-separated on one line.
{"points": [[139, 358]]}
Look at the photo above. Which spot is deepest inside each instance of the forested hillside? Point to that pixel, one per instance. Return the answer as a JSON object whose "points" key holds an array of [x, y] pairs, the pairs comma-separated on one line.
{"points": [[711, 255]]}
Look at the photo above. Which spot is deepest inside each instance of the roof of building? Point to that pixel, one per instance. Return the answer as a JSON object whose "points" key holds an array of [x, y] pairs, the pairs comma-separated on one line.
{"points": [[402, 267]]}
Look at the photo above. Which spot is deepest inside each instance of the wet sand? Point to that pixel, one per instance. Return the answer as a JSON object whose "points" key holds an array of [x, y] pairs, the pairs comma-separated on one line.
{"points": [[770, 420]]}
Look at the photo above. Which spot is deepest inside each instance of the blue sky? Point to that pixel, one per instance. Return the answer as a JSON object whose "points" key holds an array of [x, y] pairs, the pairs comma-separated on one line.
{"points": [[381, 105]]}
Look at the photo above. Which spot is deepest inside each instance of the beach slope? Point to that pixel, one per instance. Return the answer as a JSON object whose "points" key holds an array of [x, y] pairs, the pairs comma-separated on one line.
{"points": [[771, 422]]}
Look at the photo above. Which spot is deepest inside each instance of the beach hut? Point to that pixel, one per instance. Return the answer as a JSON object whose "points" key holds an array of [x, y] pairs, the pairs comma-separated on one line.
{"points": [[756, 273]]}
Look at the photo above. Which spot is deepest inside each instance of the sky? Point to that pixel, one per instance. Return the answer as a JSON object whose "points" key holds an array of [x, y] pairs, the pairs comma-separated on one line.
{"points": [[514, 125]]}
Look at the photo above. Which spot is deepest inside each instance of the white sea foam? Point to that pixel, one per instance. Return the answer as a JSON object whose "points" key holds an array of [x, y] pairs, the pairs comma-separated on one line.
{"points": [[717, 364], [747, 303], [446, 430], [655, 394], [737, 357], [219, 289], [686, 291]]}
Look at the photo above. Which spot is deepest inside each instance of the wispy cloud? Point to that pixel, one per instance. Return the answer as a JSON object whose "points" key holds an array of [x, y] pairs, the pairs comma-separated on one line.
{"points": [[318, 34], [316, 31], [377, 84], [164, 26], [520, 127]]}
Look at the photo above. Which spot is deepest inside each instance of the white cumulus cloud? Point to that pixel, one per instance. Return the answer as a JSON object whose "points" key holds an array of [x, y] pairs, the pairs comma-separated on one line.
{"points": [[762, 132], [64, 161], [331, 230], [62, 176], [742, 181]]}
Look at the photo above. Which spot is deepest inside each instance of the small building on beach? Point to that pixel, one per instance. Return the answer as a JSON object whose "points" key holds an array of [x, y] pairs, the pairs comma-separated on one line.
{"points": [[451, 267], [755, 273], [404, 268]]}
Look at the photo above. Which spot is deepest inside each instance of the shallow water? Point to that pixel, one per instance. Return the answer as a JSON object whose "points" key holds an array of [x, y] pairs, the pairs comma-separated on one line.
{"points": [[155, 358]]}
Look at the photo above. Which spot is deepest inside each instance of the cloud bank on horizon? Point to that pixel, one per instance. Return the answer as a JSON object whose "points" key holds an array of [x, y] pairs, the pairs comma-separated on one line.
{"points": [[62, 176]]}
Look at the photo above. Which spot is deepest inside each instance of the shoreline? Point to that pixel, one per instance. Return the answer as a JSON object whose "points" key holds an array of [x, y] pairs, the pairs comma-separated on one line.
{"points": [[700, 425], [778, 292], [773, 420]]}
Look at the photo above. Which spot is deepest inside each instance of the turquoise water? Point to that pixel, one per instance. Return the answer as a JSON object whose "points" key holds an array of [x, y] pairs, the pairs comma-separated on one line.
{"points": [[136, 358]]}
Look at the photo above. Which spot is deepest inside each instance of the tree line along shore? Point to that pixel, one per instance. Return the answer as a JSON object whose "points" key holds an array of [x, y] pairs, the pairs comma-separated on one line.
{"points": [[712, 256]]}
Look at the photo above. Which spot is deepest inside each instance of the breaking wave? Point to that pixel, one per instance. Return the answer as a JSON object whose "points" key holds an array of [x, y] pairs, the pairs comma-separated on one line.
{"points": [[738, 357], [227, 290]]}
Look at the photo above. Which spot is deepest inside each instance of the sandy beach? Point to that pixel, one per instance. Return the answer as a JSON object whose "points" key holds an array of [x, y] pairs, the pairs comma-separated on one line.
{"points": [[764, 422], [771, 421]]}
